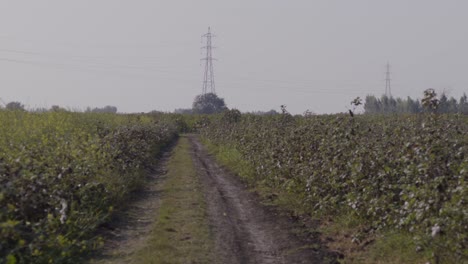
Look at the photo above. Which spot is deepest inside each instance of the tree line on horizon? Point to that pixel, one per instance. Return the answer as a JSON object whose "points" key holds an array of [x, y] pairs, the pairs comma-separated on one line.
{"points": [[212, 104], [18, 106], [391, 105]]}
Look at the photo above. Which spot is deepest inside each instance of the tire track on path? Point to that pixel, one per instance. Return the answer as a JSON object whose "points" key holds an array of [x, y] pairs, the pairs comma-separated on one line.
{"points": [[244, 230]]}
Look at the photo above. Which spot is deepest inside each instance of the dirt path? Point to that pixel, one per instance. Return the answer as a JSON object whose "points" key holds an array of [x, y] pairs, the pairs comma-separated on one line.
{"points": [[244, 230], [130, 229], [197, 211]]}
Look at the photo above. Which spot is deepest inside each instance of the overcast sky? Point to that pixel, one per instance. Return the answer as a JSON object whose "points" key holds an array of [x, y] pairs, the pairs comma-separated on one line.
{"points": [[142, 55]]}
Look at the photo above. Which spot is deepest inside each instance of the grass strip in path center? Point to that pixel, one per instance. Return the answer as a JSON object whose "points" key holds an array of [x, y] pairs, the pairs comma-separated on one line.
{"points": [[181, 233]]}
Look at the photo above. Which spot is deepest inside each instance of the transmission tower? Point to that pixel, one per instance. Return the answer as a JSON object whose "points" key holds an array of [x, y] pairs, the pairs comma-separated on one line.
{"points": [[388, 85], [208, 79]]}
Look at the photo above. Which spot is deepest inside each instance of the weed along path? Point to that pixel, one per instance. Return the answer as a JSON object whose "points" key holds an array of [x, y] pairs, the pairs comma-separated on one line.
{"points": [[178, 230], [199, 213], [129, 229]]}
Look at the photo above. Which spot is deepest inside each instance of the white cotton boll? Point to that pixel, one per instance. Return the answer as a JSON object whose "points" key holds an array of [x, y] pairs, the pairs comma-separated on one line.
{"points": [[435, 230], [63, 211]]}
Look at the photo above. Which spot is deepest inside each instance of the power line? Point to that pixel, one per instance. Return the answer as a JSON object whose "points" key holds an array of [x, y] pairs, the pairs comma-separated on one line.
{"points": [[208, 77], [89, 60]]}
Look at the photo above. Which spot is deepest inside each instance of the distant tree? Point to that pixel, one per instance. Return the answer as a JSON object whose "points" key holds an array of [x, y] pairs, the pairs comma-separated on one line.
{"points": [[401, 106], [208, 103], [413, 106], [389, 104], [372, 105], [109, 109], [271, 112], [15, 106], [452, 105], [56, 108], [186, 111], [463, 105], [392, 105], [39, 110], [430, 103], [105, 109], [443, 104], [156, 112]]}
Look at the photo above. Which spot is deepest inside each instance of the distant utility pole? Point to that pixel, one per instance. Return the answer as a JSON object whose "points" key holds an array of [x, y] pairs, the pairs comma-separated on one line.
{"points": [[388, 85], [208, 80]]}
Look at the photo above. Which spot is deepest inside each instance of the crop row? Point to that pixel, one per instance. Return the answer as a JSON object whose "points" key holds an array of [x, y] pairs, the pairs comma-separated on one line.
{"points": [[61, 174], [405, 172]]}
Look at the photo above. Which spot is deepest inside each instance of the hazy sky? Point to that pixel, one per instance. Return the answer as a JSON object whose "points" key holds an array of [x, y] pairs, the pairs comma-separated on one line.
{"points": [[143, 55]]}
